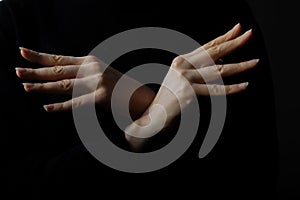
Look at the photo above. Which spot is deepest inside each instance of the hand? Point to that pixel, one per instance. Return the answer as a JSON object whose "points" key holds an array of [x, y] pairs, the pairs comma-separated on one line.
{"points": [[61, 72], [185, 79]]}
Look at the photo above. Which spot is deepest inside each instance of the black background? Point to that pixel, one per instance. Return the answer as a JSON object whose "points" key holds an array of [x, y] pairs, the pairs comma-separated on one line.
{"points": [[279, 21]]}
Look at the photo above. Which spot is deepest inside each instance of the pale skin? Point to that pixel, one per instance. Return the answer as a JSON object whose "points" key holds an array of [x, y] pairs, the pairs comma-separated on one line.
{"points": [[150, 109]]}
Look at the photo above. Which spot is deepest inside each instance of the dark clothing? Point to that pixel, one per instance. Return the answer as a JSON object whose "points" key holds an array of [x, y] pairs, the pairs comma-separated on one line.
{"points": [[45, 155]]}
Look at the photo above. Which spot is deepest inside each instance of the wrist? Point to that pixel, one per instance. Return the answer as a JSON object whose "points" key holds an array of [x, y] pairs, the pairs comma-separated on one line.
{"points": [[139, 102]]}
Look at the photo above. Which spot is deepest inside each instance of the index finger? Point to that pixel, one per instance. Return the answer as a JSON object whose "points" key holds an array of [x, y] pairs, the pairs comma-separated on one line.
{"points": [[49, 59], [218, 51], [233, 33]]}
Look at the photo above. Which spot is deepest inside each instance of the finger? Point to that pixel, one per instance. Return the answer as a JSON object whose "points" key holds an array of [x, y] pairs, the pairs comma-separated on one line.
{"points": [[219, 51], [233, 33], [59, 87], [71, 104], [48, 73], [49, 59], [216, 90], [83, 85], [204, 75]]}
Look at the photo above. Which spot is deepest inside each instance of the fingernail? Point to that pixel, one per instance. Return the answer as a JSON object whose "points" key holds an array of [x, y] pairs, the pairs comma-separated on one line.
{"points": [[20, 70], [249, 31], [48, 108], [253, 62], [27, 50], [238, 24], [23, 48], [244, 85], [27, 86]]}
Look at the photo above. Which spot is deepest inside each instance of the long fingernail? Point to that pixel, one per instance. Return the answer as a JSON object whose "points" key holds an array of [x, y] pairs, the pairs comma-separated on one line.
{"points": [[48, 108], [28, 86], [253, 62], [244, 85], [20, 70], [247, 32], [238, 24], [27, 50], [23, 48]]}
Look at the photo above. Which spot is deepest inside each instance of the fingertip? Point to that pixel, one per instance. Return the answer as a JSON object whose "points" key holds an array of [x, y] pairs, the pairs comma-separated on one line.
{"points": [[243, 85], [24, 51], [48, 108], [27, 53], [238, 25], [253, 62], [245, 37], [236, 29], [248, 33], [27, 86], [20, 71]]}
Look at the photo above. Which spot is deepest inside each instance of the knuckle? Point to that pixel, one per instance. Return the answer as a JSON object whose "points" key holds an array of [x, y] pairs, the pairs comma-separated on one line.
{"points": [[38, 54], [58, 70], [216, 50], [76, 103], [220, 69], [230, 89], [65, 84], [216, 90], [212, 43], [91, 58], [57, 58], [185, 75], [178, 62], [94, 67]]}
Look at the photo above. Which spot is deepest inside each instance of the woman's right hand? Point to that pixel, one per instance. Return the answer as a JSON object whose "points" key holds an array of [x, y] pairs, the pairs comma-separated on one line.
{"points": [[190, 75]]}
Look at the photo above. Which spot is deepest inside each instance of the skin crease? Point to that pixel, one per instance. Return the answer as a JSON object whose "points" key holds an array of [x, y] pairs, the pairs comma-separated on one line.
{"points": [[151, 112]]}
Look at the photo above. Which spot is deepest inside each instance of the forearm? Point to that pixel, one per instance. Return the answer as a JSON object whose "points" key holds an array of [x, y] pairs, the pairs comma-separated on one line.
{"points": [[140, 101]]}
